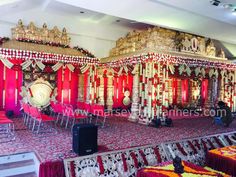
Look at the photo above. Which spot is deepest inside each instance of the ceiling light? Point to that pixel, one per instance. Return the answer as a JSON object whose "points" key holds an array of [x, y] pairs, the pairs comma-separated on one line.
{"points": [[117, 20], [227, 6], [234, 11], [5, 2], [82, 12], [215, 2]]}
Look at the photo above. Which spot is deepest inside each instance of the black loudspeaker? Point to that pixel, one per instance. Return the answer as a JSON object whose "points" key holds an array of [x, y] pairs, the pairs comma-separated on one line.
{"points": [[10, 114], [84, 139]]}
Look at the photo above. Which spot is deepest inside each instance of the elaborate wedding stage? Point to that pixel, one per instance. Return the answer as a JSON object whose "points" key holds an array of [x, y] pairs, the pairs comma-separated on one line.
{"points": [[146, 74], [54, 147]]}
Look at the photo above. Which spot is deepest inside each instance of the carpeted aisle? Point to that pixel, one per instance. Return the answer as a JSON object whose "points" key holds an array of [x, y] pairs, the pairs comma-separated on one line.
{"points": [[119, 134]]}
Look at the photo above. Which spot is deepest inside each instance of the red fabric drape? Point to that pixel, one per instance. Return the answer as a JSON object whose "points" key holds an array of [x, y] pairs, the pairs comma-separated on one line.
{"points": [[204, 90], [175, 90], [68, 85], [11, 86], [52, 169], [59, 85], [74, 87], [184, 90], [121, 84], [1, 85]]}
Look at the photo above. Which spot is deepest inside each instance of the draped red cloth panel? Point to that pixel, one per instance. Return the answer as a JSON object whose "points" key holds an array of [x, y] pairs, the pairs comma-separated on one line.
{"points": [[59, 84], [11, 85], [74, 87], [184, 90], [222, 159], [67, 82], [121, 84], [52, 169], [204, 91], [1, 85], [175, 90]]}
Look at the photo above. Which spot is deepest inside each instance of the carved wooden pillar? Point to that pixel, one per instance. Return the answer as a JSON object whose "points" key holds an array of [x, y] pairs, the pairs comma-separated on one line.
{"points": [[109, 100], [134, 117]]}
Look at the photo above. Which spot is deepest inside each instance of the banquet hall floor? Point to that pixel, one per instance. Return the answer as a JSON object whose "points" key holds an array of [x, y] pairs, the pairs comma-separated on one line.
{"points": [[118, 134]]}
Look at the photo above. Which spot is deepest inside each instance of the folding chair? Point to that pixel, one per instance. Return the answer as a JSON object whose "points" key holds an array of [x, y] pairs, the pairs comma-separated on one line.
{"points": [[98, 111], [40, 118], [5, 122], [73, 115]]}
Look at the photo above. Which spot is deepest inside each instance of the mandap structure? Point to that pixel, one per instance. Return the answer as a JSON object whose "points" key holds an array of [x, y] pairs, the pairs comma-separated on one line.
{"points": [[147, 71], [162, 68], [38, 66]]}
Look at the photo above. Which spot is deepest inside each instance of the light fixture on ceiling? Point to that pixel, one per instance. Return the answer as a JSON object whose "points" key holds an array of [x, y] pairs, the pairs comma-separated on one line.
{"points": [[234, 11], [228, 6], [82, 12], [215, 2], [117, 21]]}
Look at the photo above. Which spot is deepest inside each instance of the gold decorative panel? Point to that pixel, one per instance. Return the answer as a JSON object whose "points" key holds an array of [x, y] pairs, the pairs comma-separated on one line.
{"points": [[165, 40], [44, 35]]}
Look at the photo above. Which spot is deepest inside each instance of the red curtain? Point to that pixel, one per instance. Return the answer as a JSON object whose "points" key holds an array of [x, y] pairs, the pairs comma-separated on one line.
{"points": [[67, 83], [121, 84], [59, 85], [11, 86], [184, 90], [175, 90], [52, 169], [1, 85], [204, 91]]}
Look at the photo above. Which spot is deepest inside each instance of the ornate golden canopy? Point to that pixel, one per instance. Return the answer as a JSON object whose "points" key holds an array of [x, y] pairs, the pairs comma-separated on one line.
{"points": [[33, 33]]}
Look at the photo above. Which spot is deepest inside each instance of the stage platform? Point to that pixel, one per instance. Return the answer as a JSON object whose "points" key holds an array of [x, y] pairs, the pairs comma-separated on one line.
{"points": [[118, 134]]}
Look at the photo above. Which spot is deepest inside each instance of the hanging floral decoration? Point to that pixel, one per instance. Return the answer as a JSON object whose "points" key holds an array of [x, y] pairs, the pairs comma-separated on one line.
{"points": [[84, 51], [167, 58], [54, 44], [184, 69], [47, 57], [213, 73], [3, 39], [200, 72]]}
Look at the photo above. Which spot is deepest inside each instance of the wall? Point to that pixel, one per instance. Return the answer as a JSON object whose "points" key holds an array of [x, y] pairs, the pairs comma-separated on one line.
{"points": [[87, 34]]}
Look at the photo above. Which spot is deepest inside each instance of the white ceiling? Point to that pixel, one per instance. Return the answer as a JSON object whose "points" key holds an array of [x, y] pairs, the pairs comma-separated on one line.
{"points": [[194, 16]]}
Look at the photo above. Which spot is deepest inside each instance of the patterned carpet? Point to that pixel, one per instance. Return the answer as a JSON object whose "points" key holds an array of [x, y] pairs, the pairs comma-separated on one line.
{"points": [[118, 134]]}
